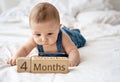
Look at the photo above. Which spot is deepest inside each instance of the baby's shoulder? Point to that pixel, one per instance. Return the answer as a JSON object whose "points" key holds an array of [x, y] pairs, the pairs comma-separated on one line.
{"points": [[31, 41], [64, 35]]}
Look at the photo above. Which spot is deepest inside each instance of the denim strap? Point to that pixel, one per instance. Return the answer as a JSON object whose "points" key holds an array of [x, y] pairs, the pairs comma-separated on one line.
{"points": [[40, 48], [59, 42]]}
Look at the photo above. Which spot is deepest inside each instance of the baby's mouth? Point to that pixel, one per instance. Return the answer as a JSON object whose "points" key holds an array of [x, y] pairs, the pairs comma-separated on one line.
{"points": [[45, 43]]}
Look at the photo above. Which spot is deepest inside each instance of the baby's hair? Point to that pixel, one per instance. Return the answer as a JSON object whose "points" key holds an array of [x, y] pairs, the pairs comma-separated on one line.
{"points": [[43, 12]]}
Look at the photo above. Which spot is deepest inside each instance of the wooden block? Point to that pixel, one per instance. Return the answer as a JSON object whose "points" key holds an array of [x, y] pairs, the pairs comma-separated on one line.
{"points": [[49, 65], [23, 64], [42, 64]]}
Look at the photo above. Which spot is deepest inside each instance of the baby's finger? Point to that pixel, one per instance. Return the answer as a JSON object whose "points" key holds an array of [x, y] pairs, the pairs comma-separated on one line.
{"points": [[10, 62], [13, 62]]}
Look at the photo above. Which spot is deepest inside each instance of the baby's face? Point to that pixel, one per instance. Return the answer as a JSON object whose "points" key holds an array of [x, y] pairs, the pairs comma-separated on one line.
{"points": [[45, 33]]}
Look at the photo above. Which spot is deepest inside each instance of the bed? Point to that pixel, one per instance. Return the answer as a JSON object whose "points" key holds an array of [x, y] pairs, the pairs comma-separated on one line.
{"points": [[98, 21]]}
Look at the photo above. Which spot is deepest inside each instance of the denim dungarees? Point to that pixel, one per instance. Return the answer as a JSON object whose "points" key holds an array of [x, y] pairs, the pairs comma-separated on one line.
{"points": [[75, 36]]}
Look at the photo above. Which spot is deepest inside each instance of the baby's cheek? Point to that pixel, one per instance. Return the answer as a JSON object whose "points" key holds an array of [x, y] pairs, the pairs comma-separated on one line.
{"points": [[53, 40], [38, 41]]}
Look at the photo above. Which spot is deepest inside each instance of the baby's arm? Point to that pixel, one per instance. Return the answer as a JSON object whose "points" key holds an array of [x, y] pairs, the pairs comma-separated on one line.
{"points": [[23, 51], [71, 50]]}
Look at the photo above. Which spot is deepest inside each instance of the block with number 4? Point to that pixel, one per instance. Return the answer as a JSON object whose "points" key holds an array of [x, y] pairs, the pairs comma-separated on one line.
{"points": [[23, 64]]}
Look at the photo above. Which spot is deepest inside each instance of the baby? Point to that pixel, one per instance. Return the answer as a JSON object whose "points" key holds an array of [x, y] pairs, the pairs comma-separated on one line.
{"points": [[48, 35]]}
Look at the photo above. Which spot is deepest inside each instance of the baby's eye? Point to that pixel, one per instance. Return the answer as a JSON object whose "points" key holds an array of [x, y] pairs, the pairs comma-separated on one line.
{"points": [[50, 33], [38, 34]]}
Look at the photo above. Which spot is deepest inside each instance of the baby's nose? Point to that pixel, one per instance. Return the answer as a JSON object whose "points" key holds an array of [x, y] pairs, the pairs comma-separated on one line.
{"points": [[44, 39]]}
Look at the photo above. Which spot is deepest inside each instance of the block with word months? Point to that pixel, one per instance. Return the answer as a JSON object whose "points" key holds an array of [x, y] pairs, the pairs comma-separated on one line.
{"points": [[23, 64], [49, 64]]}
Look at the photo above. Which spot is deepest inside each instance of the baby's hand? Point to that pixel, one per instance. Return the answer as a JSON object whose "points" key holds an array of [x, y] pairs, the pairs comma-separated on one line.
{"points": [[73, 61], [12, 61]]}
